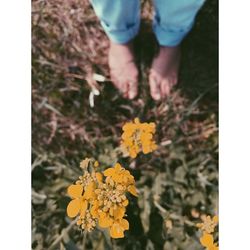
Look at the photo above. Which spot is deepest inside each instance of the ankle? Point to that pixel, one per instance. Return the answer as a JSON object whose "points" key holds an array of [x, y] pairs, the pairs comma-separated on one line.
{"points": [[123, 46], [120, 53], [165, 50]]}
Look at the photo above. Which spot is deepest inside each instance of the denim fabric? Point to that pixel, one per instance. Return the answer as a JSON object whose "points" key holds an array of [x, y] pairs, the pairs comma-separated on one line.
{"points": [[173, 19]]}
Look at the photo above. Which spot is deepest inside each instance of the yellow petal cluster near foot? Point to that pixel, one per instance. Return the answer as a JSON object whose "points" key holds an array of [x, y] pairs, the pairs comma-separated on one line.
{"points": [[138, 137], [100, 197]]}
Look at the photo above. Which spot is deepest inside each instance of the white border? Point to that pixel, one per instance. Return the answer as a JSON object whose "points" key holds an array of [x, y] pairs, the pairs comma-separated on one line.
{"points": [[234, 102], [15, 124]]}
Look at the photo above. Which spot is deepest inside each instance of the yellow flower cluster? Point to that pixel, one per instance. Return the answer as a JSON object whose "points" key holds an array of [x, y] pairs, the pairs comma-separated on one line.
{"points": [[138, 137], [207, 226], [100, 198]]}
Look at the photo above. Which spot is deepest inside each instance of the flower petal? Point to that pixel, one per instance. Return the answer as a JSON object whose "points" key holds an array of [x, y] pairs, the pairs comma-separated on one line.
{"points": [[109, 172], [117, 167], [83, 208], [132, 153], [94, 209], [99, 177], [73, 208], [117, 178], [119, 212], [126, 135], [215, 219], [146, 149], [105, 220], [75, 191], [146, 137], [116, 231], [125, 203], [132, 190], [207, 240], [124, 223], [96, 164], [128, 126], [89, 192]]}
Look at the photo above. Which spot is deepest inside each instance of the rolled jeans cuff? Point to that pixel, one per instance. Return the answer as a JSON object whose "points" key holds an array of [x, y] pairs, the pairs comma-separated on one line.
{"points": [[170, 36], [121, 35]]}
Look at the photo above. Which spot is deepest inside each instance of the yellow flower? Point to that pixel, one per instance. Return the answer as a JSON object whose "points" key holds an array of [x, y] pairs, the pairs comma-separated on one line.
{"points": [[86, 222], [94, 209], [208, 224], [90, 191], [132, 190], [119, 175], [122, 176], [138, 137], [105, 219], [119, 212], [85, 179], [78, 204], [118, 227], [207, 240], [110, 200], [98, 177], [99, 200]]}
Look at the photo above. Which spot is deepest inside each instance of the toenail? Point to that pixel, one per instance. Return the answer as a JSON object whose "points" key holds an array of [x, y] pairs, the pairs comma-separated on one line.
{"points": [[131, 95], [157, 96]]}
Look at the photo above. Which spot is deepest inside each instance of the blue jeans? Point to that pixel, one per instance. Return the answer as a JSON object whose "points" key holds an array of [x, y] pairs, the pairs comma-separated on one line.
{"points": [[173, 19]]}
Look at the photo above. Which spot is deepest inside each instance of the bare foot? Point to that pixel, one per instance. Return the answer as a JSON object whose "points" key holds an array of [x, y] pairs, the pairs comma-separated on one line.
{"points": [[164, 72], [123, 70]]}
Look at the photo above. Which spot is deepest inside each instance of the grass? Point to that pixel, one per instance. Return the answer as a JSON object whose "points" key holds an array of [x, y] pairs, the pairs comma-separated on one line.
{"points": [[178, 182]]}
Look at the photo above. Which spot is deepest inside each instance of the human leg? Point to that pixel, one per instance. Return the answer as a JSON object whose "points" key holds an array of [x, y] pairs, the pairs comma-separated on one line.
{"points": [[172, 22], [120, 20]]}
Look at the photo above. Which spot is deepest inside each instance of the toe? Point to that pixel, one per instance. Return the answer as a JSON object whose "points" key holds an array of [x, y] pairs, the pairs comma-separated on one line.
{"points": [[124, 88], [120, 84], [154, 88], [174, 80], [165, 88], [125, 79], [132, 89]]}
